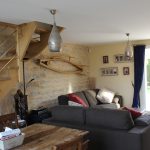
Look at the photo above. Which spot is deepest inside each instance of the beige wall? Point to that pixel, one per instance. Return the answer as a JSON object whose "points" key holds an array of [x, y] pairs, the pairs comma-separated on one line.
{"points": [[48, 84], [120, 84]]}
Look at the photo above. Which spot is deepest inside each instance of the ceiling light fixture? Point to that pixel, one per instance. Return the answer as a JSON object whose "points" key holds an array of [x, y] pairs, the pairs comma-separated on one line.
{"points": [[54, 41], [129, 48]]}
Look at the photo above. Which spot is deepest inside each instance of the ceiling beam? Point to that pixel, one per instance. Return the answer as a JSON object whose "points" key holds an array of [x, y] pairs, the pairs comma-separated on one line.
{"points": [[4, 24], [46, 27], [25, 36]]}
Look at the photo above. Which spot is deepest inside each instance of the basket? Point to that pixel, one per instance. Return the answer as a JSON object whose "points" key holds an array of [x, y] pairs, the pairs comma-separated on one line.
{"points": [[12, 142]]}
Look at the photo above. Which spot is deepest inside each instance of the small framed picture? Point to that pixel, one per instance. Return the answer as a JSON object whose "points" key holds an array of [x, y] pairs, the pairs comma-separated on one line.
{"points": [[126, 71], [110, 71], [105, 60], [121, 58]]}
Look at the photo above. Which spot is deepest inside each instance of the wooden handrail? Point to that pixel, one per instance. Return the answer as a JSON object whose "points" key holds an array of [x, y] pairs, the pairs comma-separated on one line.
{"points": [[5, 53], [3, 42], [7, 63]]}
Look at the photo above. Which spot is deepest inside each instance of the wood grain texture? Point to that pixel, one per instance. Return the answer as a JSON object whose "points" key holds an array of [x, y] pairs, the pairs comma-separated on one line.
{"points": [[6, 121], [48, 137]]}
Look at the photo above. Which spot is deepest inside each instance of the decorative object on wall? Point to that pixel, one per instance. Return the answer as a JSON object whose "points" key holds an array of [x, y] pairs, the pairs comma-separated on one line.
{"points": [[120, 58], [126, 71], [47, 63], [105, 60], [110, 71], [129, 48], [54, 41]]}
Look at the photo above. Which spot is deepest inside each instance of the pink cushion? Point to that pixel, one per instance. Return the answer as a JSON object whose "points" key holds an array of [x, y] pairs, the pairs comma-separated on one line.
{"points": [[134, 113], [77, 99]]}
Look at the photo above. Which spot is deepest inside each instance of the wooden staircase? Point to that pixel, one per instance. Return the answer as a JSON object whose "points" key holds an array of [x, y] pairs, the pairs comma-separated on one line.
{"points": [[30, 40], [33, 38]]}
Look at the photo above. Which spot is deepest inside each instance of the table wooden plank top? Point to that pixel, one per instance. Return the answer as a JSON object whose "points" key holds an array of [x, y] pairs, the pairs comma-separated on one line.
{"points": [[43, 137]]}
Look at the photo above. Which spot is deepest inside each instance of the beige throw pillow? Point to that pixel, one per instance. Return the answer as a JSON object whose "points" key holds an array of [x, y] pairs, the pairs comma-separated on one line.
{"points": [[105, 96]]}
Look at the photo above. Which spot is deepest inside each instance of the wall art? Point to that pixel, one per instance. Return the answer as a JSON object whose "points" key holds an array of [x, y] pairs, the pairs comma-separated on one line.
{"points": [[126, 71], [120, 58], [110, 71], [105, 60]]}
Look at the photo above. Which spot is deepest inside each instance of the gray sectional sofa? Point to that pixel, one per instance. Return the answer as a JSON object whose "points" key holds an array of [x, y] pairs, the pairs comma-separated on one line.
{"points": [[89, 97], [109, 129]]}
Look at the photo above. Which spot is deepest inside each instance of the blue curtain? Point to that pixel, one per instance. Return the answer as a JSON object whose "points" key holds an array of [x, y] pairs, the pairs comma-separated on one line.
{"points": [[139, 57]]}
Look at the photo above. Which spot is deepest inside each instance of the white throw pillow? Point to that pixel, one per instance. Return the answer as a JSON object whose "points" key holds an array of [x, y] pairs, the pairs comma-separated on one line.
{"points": [[105, 96], [71, 103]]}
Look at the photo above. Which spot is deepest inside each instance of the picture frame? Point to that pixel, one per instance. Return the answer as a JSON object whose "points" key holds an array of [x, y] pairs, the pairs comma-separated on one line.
{"points": [[110, 71], [105, 59], [126, 71], [121, 58]]}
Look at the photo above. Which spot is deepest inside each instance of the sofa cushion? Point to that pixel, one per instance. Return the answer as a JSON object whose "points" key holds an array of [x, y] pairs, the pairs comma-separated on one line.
{"points": [[73, 97], [109, 118], [71, 114], [105, 96], [91, 97], [143, 120], [82, 96], [71, 103], [134, 113]]}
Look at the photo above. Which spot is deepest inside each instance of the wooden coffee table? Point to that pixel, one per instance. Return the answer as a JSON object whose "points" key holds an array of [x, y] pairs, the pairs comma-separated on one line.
{"points": [[46, 137]]}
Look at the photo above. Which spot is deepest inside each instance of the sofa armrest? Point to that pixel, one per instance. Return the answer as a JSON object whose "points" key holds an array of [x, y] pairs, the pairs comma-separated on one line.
{"points": [[120, 99], [63, 100], [144, 133]]}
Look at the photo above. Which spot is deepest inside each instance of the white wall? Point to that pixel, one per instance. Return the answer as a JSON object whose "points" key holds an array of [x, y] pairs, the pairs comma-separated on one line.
{"points": [[120, 84]]}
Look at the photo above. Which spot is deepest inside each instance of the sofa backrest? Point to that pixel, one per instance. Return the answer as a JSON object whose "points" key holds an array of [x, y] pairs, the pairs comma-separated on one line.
{"points": [[70, 114], [63, 99], [91, 97], [109, 118]]}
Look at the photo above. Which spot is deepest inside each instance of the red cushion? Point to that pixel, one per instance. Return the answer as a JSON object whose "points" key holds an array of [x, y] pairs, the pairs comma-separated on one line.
{"points": [[134, 113], [77, 99]]}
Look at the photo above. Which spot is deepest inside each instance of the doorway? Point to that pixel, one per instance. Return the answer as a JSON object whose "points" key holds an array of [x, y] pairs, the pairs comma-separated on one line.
{"points": [[147, 78]]}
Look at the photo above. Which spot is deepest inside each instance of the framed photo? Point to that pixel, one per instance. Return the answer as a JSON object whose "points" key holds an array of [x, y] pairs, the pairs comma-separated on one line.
{"points": [[105, 60], [120, 58], [126, 71], [110, 71]]}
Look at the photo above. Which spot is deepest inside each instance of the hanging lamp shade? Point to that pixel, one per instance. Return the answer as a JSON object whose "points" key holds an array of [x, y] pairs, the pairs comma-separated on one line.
{"points": [[128, 48], [55, 40]]}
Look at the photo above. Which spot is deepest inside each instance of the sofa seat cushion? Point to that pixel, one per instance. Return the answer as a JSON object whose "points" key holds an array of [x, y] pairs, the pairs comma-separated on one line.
{"points": [[109, 118], [70, 114]]}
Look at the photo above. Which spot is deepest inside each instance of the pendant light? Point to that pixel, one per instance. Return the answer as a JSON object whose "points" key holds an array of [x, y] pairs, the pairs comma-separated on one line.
{"points": [[54, 41], [129, 48]]}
